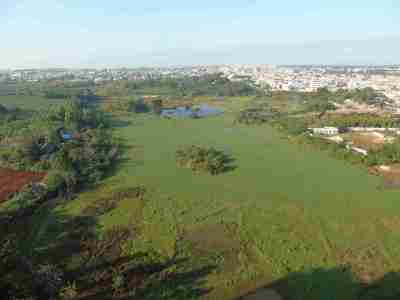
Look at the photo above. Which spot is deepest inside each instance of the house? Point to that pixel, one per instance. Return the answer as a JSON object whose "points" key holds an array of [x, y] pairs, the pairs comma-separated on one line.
{"points": [[360, 151], [357, 150], [325, 130], [337, 139]]}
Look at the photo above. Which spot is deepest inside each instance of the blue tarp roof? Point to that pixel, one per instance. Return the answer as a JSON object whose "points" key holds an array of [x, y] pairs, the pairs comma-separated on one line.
{"points": [[67, 136]]}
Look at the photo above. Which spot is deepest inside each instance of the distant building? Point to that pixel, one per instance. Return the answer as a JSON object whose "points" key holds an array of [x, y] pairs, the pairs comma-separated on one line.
{"points": [[325, 130], [358, 150]]}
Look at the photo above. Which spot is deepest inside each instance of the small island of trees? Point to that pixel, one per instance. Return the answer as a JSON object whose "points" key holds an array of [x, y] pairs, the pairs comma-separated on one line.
{"points": [[204, 160]]}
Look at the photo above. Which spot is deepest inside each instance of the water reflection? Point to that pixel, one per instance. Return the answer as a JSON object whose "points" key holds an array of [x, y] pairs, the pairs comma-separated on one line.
{"points": [[201, 111]]}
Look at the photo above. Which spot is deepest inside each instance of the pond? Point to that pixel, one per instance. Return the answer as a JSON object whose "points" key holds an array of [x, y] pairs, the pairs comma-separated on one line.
{"points": [[201, 111]]}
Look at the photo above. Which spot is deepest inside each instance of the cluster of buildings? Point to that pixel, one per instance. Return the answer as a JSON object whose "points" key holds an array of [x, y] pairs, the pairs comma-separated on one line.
{"points": [[371, 136], [101, 75], [384, 79]]}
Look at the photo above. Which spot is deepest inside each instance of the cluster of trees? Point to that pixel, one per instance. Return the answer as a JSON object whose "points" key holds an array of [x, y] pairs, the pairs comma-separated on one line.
{"points": [[317, 106], [11, 114], [82, 158], [322, 99], [82, 161], [132, 105], [82, 94], [204, 160], [76, 115], [388, 154], [19, 88], [366, 95], [254, 116], [207, 85], [293, 125], [335, 150], [60, 93], [362, 120], [48, 89], [3, 110]]}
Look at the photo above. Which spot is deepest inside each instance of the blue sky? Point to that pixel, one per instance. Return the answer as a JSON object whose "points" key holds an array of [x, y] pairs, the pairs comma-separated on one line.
{"points": [[77, 33]]}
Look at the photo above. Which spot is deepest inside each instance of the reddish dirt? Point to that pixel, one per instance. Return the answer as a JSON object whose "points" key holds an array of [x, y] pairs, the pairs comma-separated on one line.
{"points": [[368, 141], [12, 181]]}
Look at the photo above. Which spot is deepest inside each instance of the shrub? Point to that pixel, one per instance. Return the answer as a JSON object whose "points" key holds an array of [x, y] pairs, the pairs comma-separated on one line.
{"points": [[136, 192], [106, 248], [3, 109], [118, 282], [389, 154], [41, 166], [103, 206], [293, 126], [54, 181], [254, 116], [141, 107], [69, 292], [157, 106], [100, 207], [49, 280], [29, 197], [204, 160]]}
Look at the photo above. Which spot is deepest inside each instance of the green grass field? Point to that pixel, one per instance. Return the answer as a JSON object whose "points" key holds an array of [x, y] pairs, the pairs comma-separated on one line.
{"points": [[27, 102], [284, 209]]}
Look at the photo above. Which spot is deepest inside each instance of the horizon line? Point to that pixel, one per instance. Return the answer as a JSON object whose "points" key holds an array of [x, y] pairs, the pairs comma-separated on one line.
{"points": [[200, 65]]}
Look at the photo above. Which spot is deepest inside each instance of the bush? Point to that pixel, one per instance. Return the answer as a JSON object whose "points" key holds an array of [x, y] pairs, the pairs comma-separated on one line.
{"points": [[253, 116], [118, 282], [361, 120], [49, 280], [30, 196], [141, 107], [389, 154], [293, 126], [136, 192], [41, 166], [69, 292], [3, 109], [55, 181], [204, 160], [100, 207], [157, 106]]}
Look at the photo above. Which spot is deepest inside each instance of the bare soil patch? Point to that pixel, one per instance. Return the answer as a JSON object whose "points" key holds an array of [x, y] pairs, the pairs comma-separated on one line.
{"points": [[11, 181], [367, 265], [369, 141], [390, 174], [391, 224]]}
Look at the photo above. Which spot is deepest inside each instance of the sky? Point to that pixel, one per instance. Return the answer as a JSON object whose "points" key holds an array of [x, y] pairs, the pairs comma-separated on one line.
{"points": [[133, 33]]}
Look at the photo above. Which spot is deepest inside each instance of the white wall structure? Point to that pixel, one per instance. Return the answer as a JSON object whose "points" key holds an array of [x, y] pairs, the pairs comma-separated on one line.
{"points": [[325, 130]]}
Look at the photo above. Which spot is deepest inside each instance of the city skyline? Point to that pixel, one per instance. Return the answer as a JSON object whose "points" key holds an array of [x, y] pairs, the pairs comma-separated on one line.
{"points": [[72, 34]]}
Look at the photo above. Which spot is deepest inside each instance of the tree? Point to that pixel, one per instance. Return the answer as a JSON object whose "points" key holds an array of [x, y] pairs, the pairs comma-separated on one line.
{"points": [[157, 106], [73, 115], [3, 110]]}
